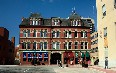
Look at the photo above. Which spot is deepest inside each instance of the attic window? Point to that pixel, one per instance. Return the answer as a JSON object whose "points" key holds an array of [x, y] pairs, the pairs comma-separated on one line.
{"points": [[55, 21]]}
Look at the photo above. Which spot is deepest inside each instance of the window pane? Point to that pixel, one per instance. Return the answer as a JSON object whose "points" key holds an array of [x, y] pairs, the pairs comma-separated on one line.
{"points": [[53, 34], [45, 33], [86, 45], [85, 34], [69, 45], [53, 45], [57, 45], [76, 45], [81, 33], [58, 33], [65, 45], [81, 45], [28, 45], [41, 33], [65, 33], [34, 45], [34, 34], [75, 33], [24, 33], [28, 33], [41, 45], [104, 10], [45, 45], [23, 45]]}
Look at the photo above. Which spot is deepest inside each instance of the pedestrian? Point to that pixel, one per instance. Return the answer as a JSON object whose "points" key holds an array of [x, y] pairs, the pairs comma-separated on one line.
{"points": [[60, 64], [106, 63]]}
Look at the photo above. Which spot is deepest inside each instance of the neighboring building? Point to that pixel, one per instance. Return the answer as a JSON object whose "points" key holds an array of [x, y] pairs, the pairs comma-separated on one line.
{"points": [[17, 55], [49, 40], [94, 46], [106, 21], [7, 47], [91, 23]]}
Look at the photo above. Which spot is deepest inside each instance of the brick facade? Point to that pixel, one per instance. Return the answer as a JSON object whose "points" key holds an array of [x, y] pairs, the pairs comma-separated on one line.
{"points": [[60, 39], [6, 47]]}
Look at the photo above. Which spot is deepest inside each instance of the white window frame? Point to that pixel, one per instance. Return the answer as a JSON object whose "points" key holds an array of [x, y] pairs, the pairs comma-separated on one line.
{"points": [[77, 34], [24, 33], [85, 45], [76, 45], [54, 45], [36, 22]]}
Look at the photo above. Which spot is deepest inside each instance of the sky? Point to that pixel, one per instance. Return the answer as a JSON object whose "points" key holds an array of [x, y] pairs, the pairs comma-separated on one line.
{"points": [[12, 11]]}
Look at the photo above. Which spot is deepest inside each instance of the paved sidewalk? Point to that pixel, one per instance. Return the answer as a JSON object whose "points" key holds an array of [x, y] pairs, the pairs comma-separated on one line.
{"points": [[103, 70], [97, 68]]}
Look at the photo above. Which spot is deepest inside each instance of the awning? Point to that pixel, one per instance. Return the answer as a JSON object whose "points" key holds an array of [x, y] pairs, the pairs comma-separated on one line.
{"points": [[68, 54], [82, 54], [76, 54], [87, 54]]}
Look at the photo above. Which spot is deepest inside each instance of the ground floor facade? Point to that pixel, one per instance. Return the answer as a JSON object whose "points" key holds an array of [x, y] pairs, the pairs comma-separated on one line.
{"points": [[52, 57]]}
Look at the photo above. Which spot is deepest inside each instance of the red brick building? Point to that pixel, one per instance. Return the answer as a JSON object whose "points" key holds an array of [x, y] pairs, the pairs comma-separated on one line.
{"points": [[48, 40], [7, 47]]}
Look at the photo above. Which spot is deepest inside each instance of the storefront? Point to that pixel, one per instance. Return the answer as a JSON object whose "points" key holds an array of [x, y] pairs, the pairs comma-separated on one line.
{"points": [[34, 57], [68, 57]]}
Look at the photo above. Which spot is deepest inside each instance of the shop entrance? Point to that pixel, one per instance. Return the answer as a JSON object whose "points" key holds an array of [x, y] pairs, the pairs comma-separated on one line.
{"points": [[55, 57]]}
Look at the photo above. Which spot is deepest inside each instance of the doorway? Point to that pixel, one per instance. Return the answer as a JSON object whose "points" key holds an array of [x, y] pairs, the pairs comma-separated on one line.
{"points": [[55, 57]]}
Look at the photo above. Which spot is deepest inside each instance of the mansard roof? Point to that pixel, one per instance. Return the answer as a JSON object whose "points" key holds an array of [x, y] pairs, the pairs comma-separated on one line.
{"points": [[74, 16], [48, 21], [35, 15]]}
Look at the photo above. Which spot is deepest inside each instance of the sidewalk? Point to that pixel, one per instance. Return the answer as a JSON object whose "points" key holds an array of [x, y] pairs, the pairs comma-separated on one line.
{"points": [[97, 68], [103, 70]]}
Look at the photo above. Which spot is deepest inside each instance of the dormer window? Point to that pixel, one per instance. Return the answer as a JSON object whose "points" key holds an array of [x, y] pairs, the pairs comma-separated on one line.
{"points": [[36, 22], [39, 21], [75, 22], [56, 21]]}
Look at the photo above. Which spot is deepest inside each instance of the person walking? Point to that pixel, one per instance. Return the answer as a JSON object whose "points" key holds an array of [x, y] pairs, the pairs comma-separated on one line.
{"points": [[106, 63]]}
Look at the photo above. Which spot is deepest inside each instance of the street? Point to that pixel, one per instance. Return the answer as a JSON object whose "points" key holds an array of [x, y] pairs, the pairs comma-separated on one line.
{"points": [[45, 69]]}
